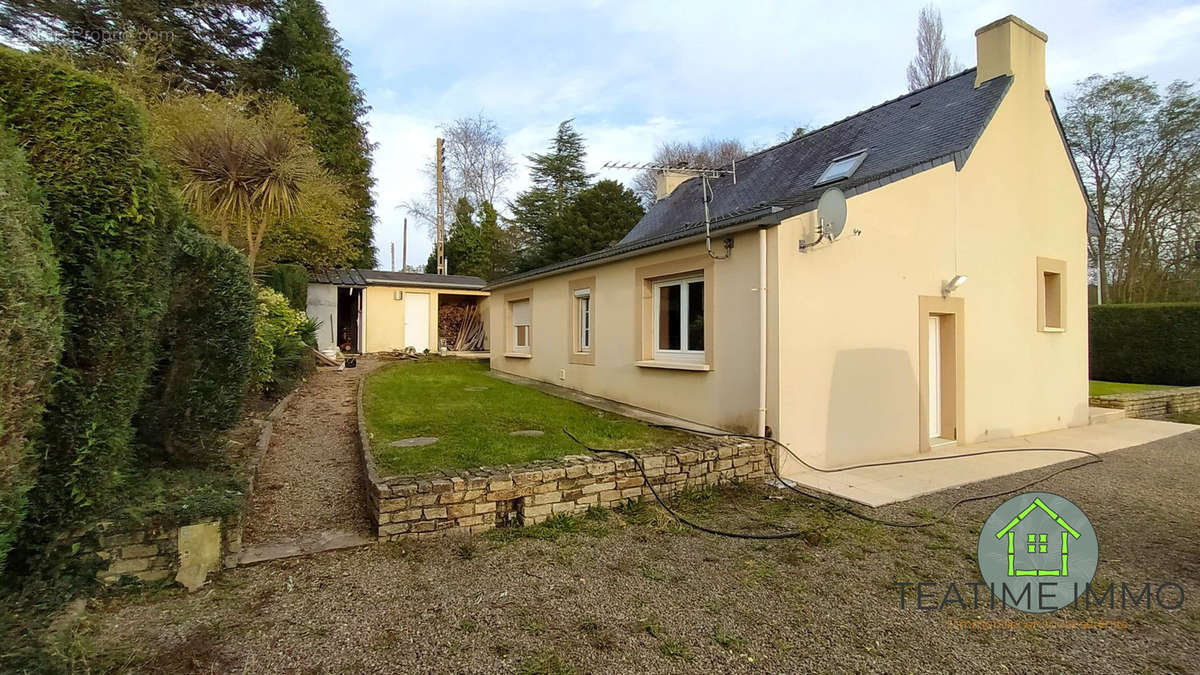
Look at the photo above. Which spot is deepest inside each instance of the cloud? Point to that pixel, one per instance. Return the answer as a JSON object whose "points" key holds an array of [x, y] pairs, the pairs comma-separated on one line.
{"points": [[633, 75]]}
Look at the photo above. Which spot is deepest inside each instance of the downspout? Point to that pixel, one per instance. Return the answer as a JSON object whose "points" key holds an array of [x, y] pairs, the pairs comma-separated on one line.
{"points": [[762, 331]]}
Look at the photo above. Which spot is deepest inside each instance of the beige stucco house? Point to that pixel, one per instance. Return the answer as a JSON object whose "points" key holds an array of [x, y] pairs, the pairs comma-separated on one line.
{"points": [[376, 310], [856, 347]]}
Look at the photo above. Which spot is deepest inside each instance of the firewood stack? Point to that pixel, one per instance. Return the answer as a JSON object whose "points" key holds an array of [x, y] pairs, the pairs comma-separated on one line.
{"points": [[461, 326]]}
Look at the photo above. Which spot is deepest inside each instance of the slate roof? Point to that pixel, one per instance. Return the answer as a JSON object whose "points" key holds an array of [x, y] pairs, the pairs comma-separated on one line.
{"points": [[338, 277], [903, 136], [356, 277]]}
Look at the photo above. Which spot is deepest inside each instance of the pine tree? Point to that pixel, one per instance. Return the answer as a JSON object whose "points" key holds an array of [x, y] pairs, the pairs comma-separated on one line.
{"points": [[204, 46], [464, 248], [302, 58], [597, 218], [558, 176]]}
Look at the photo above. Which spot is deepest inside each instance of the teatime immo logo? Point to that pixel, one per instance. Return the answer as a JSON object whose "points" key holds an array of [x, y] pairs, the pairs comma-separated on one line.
{"points": [[1038, 551]]}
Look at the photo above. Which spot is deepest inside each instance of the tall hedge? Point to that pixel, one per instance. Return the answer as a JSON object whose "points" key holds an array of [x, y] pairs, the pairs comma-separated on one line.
{"points": [[291, 281], [30, 330], [1152, 344], [203, 368], [106, 206]]}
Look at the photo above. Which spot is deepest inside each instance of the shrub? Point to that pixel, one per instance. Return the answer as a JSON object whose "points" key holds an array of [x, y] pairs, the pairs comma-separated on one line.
{"points": [[110, 215], [282, 338], [30, 330], [199, 381], [291, 281], [1152, 344]]}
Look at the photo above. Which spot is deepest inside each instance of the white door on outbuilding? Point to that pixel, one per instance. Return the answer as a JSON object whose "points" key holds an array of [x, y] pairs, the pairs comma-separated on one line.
{"points": [[416, 321]]}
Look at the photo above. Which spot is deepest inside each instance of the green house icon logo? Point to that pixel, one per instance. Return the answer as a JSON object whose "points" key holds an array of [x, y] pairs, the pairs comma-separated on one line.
{"points": [[1039, 553]]}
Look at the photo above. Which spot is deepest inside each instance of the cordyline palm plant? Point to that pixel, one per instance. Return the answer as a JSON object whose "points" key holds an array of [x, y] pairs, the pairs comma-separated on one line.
{"points": [[242, 169]]}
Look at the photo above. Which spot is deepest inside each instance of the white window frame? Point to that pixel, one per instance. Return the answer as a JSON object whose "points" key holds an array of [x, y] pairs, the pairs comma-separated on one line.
{"points": [[683, 354], [516, 345], [583, 301]]}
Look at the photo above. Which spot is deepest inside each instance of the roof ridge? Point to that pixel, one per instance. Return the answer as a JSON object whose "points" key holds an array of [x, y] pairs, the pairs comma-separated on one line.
{"points": [[857, 114]]}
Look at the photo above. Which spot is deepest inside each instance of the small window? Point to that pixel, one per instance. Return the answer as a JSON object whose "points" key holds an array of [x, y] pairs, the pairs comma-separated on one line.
{"points": [[842, 167], [1052, 288], [679, 320], [521, 326], [583, 308], [1051, 295]]}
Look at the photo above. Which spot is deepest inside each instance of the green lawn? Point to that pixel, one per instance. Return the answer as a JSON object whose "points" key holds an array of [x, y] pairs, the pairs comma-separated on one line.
{"points": [[471, 415], [1098, 388]]}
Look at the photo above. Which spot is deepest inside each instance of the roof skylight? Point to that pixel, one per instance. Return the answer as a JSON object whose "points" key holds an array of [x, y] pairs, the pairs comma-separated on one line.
{"points": [[842, 167]]}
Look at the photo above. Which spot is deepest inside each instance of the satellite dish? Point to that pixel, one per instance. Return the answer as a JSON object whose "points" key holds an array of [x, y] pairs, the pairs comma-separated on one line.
{"points": [[831, 212]]}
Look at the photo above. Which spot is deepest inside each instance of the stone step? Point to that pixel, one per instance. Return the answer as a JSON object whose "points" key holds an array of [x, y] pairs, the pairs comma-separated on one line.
{"points": [[1102, 415], [319, 542]]}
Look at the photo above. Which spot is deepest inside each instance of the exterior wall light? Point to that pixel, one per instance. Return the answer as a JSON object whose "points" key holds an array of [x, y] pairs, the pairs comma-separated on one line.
{"points": [[952, 285]]}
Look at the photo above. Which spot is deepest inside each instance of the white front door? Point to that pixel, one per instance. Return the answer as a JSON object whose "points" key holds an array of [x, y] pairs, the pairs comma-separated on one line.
{"points": [[416, 321], [935, 377]]}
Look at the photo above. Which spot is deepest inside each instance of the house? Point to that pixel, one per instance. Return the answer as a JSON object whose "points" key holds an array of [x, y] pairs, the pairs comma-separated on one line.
{"points": [[375, 310], [951, 309], [1039, 553]]}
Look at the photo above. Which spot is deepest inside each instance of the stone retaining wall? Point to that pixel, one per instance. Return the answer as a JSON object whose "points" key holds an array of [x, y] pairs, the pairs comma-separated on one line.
{"points": [[147, 555], [153, 553], [435, 504], [1152, 404]]}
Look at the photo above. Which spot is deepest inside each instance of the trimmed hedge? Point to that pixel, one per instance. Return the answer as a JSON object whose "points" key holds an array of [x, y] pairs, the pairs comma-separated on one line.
{"points": [[30, 330], [199, 383], [1149, 344], [111, 215], [292, 283]]}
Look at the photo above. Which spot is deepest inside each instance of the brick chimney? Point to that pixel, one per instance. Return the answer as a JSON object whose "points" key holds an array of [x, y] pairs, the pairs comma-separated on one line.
{"points": [[1011, 47]]}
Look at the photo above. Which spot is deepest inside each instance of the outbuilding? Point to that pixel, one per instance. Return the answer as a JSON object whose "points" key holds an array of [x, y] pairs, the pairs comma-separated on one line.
{"points": [[363, 311]]}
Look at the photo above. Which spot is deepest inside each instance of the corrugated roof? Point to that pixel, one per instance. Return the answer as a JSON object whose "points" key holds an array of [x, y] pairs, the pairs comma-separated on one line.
{"points": [[356, 277], [903, 136]]}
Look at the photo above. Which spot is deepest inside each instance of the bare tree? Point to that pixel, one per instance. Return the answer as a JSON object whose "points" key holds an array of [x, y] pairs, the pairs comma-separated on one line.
{"points": [[477, 166], [933, 62], [1139, 154], [708, 153]]}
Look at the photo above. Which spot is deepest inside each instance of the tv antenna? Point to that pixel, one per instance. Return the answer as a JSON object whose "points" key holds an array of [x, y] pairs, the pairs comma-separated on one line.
{"points": [[706, 176]]}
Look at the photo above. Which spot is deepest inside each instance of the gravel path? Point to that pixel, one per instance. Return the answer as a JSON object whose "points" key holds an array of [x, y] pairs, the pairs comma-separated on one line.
{"points": [[635, 592], [308, 482]]}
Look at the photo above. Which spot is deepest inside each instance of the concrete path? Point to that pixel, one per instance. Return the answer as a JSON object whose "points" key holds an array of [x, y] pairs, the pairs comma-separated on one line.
{"points": [[880, 485]]}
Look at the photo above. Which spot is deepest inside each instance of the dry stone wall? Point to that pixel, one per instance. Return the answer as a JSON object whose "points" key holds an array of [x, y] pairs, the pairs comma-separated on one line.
{"points": [[429, 505], [1152, 404]]}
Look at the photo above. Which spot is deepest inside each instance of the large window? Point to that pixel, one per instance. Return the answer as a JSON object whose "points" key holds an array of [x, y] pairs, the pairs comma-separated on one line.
{"points": [[521, 326], [679, 320], [583, 309]]}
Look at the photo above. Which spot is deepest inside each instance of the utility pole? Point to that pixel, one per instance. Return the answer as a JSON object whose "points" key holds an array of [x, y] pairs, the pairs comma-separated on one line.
{"points": [[441, 212], [393, 256], [404, 249]]}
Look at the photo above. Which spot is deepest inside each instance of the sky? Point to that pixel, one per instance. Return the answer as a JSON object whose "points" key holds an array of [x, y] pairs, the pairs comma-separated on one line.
{"points": [[634, 74]]}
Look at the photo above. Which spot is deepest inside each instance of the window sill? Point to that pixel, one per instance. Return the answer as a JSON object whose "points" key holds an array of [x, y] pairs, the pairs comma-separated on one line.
{"points": [[1051, 329], [517, 355], [674, 365]]}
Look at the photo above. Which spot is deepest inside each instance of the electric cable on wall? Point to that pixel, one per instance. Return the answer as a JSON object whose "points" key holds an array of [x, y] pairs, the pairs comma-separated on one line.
{"points": [[838, 506]]}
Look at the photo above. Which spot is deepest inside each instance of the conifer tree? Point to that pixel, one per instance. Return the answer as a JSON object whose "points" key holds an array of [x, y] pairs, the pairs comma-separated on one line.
{"points": [[302, 58], [558, 176]]}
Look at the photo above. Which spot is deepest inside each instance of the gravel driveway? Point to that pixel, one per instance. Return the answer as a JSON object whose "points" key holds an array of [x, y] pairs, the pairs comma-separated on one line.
{"points": [[308, 482], [631, 591]]}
